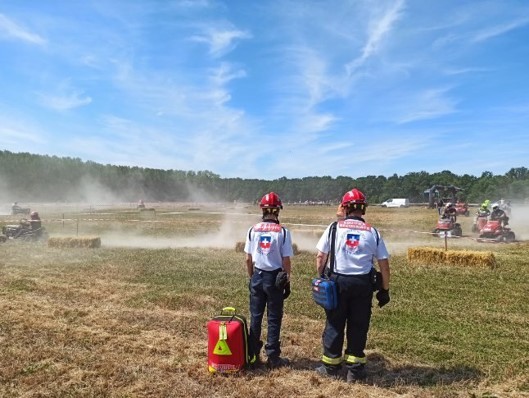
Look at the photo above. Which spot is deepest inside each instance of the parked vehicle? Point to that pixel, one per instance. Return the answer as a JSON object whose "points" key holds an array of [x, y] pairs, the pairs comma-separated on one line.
{"points": [[396, 202]]}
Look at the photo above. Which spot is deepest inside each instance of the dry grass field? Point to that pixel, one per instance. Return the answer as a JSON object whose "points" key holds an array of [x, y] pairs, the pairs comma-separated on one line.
{"points": [[128, 319]]}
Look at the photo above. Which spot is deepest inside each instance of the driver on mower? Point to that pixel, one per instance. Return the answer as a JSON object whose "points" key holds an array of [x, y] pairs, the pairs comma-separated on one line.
{"points": [[450, 212], [483, 211], [500, 215], [31, 226]]}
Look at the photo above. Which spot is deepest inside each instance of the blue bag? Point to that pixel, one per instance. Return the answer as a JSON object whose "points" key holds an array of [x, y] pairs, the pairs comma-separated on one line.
{"points": [[324, 293], [324, 290]]}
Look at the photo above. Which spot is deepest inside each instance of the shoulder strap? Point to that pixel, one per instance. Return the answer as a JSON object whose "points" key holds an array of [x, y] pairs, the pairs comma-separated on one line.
{"points": [[377, 235], [332, 237], [250, 233]]}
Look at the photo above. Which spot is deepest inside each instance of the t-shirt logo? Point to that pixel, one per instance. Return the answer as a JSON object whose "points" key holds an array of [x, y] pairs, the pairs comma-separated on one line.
{"points": [[265, 241], [353, 240]]}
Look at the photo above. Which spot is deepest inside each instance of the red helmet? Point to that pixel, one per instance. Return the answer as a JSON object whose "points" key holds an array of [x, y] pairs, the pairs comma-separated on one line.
{"points": [[354, 196], [270, 201], [354, 200]]}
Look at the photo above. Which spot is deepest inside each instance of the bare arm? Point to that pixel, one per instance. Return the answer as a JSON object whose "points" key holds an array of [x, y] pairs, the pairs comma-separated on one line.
{"points": [[249, 265], [287, 266], [321, 259], [384, 270]]}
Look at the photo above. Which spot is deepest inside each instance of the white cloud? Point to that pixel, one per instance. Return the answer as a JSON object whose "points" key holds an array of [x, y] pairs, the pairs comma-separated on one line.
{"points": [[220, 41], [380, 28], [426, 104], [11, 29], [64, 102], [15, 129], [498, 30]]}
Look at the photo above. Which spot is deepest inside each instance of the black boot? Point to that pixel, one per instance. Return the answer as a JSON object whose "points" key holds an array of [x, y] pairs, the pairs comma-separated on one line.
{"points": [[356, 373], [277, 362], [328, 370]]}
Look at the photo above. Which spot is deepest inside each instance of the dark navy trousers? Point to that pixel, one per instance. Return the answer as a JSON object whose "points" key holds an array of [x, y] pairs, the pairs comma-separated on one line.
{"points": [[353, 314], [265, 295]]}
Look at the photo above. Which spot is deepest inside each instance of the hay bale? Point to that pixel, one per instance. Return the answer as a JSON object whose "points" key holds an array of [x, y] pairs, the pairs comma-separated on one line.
{"points": [[239, 247], [426, 254], [295, 248], [90, 242], [429, 255], [471, 258]]}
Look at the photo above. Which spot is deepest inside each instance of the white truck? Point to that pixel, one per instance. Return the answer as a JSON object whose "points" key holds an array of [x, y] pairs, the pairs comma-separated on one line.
{"points": [[396, 202]]}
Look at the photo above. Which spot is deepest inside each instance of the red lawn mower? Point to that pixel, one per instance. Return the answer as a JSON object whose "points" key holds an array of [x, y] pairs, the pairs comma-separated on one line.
{"points": [[447, 226], [494, 231], [462, 209]]}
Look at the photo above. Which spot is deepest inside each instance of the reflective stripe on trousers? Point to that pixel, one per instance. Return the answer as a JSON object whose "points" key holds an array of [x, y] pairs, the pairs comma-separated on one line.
{"points": [[350, 319]]}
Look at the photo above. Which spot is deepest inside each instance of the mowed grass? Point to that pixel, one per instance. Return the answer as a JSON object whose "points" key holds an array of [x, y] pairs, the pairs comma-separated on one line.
{"points": [[131, 321]]}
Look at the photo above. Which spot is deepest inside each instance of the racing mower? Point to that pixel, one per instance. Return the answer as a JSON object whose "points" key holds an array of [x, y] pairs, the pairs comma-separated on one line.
{"points": [[447, 226], [462, 209], [494, 231], [479, 221], [15, 209], [24, 232]]}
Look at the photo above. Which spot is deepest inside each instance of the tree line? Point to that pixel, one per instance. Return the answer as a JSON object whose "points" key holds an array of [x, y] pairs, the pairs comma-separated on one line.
{"points": [[28, 177]]}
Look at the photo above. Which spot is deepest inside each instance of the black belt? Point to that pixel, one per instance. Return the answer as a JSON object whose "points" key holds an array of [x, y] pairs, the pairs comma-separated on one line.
{"points": [[268, 272], [358, 276]]}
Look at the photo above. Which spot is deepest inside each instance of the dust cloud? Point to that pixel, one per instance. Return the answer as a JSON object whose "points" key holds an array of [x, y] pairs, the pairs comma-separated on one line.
{"points": [[519, 221], [233, 229], [235, 226]]}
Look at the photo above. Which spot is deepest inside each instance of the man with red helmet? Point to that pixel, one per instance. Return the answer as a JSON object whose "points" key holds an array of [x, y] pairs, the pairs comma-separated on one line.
{"points": [[35, 221], [268, 250], [34, 224], [356, 244]]}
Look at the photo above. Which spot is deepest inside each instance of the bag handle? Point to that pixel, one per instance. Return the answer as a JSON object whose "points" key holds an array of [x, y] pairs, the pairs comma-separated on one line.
{"points": [[330, 258]]}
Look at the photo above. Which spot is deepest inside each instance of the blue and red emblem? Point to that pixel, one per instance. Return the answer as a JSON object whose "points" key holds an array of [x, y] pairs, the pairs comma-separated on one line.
{"points": [[353, 240], [265, 241]]}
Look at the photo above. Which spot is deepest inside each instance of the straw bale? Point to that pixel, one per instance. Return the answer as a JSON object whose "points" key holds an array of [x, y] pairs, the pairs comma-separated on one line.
{"points": [[429, 255], [239, 247], [295, 248], [90, 242]]}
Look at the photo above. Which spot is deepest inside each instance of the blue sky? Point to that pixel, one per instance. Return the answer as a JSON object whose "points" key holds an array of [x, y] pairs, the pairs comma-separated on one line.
{"points": [[265, 89]]}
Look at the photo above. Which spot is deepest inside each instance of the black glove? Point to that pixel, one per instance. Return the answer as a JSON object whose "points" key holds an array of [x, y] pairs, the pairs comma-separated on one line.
{"points": [[383, 297], [281, 280], [286, 291]]}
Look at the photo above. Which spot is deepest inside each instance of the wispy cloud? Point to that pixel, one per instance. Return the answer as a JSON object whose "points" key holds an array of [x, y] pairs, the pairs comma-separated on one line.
{"points": [[498, 30], [64, 99], [262, 89], [380, 28], [220, 41], [10, 29], [16, 129], [423, 105]]}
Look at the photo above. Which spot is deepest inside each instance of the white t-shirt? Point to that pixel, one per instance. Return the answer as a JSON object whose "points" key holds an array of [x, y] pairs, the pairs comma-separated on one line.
{"points": [[268, 243], [356, 247]]}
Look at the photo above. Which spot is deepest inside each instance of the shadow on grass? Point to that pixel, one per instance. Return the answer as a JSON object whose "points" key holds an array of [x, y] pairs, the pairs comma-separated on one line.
{"points": [[382, 374]]}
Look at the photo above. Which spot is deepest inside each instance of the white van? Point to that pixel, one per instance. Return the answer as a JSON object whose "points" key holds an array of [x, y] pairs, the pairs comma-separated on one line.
{"points": [[399, 202]]}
